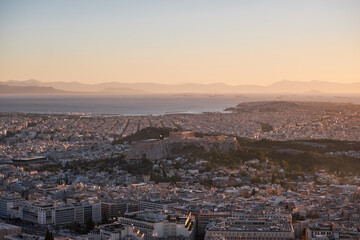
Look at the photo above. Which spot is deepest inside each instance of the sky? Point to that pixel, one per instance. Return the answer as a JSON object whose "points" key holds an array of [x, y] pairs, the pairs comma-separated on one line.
{"points": [[167, 41]]}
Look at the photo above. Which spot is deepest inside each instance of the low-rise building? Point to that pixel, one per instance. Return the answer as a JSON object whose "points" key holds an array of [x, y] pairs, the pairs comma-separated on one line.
{"points": [[249, 228], [159, 225], [8, 229]]}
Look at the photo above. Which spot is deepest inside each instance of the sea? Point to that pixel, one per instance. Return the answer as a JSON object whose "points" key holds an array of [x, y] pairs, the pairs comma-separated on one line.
{"points": [[148, 105]]}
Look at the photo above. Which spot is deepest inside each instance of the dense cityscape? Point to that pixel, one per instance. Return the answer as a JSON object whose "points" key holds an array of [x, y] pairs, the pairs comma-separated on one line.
{"points": [[179, 120], [262, 170]]}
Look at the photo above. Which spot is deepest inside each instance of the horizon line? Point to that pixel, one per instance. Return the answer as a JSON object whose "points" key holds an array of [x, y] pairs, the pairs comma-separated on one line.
{"points": [[184, 83]]}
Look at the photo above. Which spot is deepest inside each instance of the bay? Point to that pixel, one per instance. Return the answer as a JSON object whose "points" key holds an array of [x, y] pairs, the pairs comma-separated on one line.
{"points": [[140, 105]]}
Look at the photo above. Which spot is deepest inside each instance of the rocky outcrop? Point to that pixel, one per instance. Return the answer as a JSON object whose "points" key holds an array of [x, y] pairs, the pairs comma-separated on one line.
{"points": [[153, 149]]}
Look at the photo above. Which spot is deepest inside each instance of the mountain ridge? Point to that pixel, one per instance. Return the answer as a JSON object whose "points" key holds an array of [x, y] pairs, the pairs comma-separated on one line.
{"points": [[140, 88]]}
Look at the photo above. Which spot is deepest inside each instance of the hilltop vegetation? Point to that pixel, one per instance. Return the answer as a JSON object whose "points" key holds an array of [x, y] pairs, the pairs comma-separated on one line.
{"points": [[305, 156], [323, 145], [146, 133]]}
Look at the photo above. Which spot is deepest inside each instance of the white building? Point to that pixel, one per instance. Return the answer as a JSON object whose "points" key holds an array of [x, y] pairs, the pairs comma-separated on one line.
{"points": [[117, 231], [252, 228], [157, 225], [48, 213]]}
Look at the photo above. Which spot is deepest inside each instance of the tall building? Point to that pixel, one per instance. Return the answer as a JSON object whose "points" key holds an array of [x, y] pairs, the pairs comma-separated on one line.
{"points": [[204, 218], [8, 202], [111, 210], [63, 215], [48, 213], [85, 211], [96, 212], [41, 213]]}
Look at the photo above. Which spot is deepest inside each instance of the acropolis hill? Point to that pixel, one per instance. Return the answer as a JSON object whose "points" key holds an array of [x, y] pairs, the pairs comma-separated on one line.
{"points": [[176, 143]]}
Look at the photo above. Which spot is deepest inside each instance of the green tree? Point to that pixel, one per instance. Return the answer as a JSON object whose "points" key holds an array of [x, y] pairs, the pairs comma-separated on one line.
{"points": [[255, 180]]}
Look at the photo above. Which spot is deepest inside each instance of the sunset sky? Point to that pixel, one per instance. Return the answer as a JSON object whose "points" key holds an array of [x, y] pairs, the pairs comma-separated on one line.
{"points": [[235, 42]]}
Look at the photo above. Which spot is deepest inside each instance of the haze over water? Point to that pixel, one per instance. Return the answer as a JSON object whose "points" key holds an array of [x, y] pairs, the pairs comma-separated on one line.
{"points": [[150, 105]]}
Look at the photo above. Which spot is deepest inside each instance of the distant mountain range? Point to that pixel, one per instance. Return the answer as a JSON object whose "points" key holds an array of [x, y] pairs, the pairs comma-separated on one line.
{"points": [[37, 87], [6, 89]]}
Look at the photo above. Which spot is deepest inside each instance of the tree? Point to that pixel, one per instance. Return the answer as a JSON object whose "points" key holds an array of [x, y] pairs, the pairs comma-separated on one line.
{"points": [[164, 173], [49, 235], [316, 180], [90, 224], [75, 226], [255, 180], [105, 218], [284, 164], [253, 192], [177, 165]]}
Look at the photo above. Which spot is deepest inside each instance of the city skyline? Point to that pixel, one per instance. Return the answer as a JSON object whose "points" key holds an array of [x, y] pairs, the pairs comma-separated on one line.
{"points": [[180, 42]]}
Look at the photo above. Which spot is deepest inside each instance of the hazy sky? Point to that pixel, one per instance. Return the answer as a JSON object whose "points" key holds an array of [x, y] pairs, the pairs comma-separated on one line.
{"points": [[236, 42]]}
